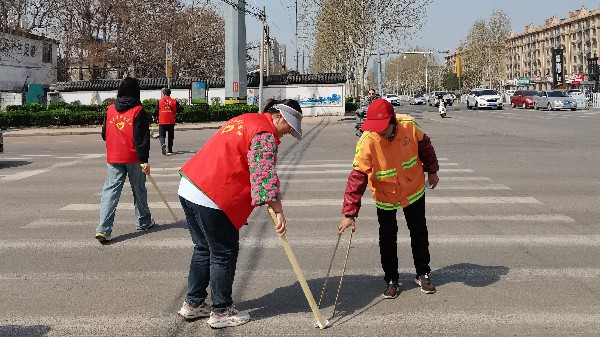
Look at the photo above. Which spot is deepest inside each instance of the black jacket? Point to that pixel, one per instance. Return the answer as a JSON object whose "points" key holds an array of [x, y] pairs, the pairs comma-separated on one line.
{"points": [[141, 129]]}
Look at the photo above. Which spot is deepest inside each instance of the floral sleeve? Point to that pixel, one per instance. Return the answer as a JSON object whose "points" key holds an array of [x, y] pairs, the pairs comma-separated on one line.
{"points": [[264, 183]]}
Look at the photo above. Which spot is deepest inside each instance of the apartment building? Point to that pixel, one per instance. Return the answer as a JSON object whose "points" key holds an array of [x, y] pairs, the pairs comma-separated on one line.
{"points": [[528, 62], [529, 53]]}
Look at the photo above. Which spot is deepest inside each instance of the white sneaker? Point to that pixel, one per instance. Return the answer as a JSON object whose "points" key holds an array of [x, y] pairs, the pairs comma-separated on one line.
{"points": [[188, 312], [230, 317]]}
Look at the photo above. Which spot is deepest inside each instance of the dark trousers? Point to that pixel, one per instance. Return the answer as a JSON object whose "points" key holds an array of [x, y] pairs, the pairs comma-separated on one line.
{"points": [[216, 248], [388, 234], [162, 133]]}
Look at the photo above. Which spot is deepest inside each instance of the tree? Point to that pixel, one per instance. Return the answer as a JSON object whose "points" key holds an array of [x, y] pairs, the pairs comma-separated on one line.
{"points": [[483, 53], [345, 34]]}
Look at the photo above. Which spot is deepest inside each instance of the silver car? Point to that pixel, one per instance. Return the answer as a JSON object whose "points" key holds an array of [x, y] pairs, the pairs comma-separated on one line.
{"points": [[553, 99], [416, 99]]}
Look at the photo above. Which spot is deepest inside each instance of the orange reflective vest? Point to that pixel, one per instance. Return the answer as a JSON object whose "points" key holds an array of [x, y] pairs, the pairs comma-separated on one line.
{"points": [[120, 147], [394, 170], [167, 109], [220, 168]]}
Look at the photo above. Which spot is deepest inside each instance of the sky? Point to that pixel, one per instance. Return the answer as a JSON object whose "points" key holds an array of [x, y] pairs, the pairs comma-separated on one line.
{"points": [[447, 22]]}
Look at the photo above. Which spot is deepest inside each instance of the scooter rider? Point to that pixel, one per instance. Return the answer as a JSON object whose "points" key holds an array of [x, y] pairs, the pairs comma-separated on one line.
{"points": [[441, 105], [361, 113]]}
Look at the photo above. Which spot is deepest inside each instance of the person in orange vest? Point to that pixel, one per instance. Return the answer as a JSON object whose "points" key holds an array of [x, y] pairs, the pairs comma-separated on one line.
{"points": [[127, 135], [233, 173], [391, 158], [165, 111]]}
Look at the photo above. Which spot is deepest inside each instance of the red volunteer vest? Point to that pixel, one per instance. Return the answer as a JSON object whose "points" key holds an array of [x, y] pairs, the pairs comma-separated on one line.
{"points": [[120, 148], [167, 107], [220, 168]]}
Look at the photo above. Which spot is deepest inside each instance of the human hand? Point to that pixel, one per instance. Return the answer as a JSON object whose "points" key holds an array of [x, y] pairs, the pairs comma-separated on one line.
{"points": [[281, 224], [433, 179], [146, 168], [346, 222]]}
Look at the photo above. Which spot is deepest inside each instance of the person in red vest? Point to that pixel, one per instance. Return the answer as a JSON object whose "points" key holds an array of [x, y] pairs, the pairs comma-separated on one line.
{"points": [[127, 135], [165, 111], [392, 157], [233, 173]]}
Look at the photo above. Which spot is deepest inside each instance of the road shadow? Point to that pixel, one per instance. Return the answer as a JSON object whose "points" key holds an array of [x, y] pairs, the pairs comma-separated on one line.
{"points": [[20, 330], [356, 296], [13, 163], [155, 229], [469, 274], [360, 293]]}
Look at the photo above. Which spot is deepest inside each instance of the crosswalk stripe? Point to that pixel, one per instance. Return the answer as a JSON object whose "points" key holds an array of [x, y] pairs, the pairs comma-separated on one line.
{"points": [[272, 242], [509, 274], [335, 202], [292, 180], [544, 218]]}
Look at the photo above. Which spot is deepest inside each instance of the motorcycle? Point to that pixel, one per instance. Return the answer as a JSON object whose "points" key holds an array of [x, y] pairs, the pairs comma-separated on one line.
{"points": [[442, 108]]}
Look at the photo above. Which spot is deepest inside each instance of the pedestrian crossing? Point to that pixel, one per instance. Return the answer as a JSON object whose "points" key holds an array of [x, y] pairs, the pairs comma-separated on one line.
{"points": [[476, 260]]}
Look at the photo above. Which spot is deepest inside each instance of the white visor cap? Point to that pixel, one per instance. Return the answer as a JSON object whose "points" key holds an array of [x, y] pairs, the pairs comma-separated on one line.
{"points": [[293, 117]]}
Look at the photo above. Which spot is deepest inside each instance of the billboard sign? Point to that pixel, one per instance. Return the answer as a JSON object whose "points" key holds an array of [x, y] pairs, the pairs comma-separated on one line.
{"points": [[558, 79], [198, 93]]}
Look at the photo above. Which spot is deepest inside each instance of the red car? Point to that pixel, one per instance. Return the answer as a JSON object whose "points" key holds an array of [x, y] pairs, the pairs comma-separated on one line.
{"points": [[523, 98]]}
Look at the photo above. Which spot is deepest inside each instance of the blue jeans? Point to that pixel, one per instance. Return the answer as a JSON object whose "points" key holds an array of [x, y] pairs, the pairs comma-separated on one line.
{"points": [[216, 247], [111, 192]]}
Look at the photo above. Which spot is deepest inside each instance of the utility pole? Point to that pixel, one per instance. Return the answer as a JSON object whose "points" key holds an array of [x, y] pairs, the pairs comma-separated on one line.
{"points": [[261, 60], [378, 62], [297, 69]]}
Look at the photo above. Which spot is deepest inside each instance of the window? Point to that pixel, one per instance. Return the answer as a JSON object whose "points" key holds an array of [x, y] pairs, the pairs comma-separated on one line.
{"points": [[47, 53]]}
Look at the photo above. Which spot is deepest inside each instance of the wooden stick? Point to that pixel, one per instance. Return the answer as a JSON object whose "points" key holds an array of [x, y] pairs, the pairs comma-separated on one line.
{"points": [[162, 197], [299, 275]]}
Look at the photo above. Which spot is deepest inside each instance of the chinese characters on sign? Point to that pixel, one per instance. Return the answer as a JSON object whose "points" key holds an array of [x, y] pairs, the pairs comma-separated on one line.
{"points": [[557, 68]]}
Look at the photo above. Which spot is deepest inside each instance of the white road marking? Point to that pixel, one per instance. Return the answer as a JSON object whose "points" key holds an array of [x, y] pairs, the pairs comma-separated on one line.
{"points": [[507, 274], [271, 242], [543, 218], [31, 173], [332, 202]]}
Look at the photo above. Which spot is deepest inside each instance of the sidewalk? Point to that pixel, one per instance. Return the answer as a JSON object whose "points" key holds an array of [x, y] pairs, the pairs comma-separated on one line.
{"points": [[77, 130]]}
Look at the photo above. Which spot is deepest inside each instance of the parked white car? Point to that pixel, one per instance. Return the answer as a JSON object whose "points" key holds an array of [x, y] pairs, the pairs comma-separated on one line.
{"points": [[553, 99], [392, 98], [416, 99], [484, 98], [433, 96]]}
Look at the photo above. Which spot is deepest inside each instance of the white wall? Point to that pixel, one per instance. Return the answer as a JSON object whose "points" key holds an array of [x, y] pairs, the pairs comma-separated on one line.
{"points": [[10, 98], [22, 62], [301, 93]]}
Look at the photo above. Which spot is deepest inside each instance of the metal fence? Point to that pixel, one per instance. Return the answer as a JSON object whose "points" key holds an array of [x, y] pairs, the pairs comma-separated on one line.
{"points": [[595, 103]]}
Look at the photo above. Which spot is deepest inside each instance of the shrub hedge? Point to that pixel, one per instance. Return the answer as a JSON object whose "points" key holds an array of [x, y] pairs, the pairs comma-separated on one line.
{"points": [[65, 114]]}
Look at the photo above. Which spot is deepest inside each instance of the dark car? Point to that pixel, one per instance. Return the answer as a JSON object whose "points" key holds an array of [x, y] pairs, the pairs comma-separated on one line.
{"points": [[522, 98]]}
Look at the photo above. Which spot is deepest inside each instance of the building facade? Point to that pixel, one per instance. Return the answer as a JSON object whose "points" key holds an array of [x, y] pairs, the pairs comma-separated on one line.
{"points": [[528, 63], [529, 53], [26, 58]]}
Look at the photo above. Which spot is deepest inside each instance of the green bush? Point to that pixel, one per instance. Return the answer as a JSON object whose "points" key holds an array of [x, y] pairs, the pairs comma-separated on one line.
{"points": [[65, 114], [352, 106]]}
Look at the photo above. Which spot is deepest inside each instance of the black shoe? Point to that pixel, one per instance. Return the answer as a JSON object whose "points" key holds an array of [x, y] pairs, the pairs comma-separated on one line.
{"points": [[425, 283], [163, 149], [392, 290]]}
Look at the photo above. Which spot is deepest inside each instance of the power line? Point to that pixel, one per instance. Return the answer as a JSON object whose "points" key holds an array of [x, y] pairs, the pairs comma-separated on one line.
{"points": [[248, 9]]}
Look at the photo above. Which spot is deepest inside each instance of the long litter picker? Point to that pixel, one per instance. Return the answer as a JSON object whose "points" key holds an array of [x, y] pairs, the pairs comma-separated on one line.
{"points": [[337, 295], [321, 324], [162, 197]]}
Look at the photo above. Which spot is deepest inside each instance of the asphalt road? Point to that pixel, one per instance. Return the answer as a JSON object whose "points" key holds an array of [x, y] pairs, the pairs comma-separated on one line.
{"points": [[513, 225]]}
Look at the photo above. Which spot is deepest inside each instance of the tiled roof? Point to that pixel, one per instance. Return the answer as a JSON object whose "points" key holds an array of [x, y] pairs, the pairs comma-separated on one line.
{"points": [[215, 82]]}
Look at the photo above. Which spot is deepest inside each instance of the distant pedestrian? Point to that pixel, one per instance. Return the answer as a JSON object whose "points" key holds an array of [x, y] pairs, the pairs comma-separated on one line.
{"points": [[391, 158], [233, 173], [126, 133], [165, 112]]}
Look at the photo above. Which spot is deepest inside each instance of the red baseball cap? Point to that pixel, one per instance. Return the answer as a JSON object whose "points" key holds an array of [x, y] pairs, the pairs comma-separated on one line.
{"points": [[379, 113]]}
